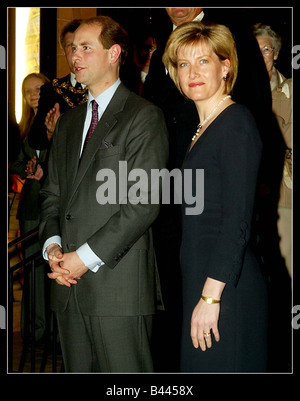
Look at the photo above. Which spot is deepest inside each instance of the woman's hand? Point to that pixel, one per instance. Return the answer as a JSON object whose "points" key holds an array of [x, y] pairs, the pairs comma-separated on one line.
{"points": [[205, 316], [204, 319]]}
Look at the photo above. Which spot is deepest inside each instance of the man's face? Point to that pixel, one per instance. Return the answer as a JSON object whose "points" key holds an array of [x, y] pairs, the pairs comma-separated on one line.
{"points": [[92, 63], [180, 15], [68, 40]]}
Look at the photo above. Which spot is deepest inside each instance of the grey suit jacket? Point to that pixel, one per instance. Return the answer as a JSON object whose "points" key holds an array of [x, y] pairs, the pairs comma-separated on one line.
{"points": [[134, 131]]}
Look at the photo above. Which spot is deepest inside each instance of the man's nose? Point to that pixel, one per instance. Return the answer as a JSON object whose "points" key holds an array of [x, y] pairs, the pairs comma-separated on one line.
{"points": [[75, 55]]}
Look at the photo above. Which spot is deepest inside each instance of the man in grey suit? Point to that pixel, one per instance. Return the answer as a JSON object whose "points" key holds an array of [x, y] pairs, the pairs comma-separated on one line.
{"points": [[105, 284]]}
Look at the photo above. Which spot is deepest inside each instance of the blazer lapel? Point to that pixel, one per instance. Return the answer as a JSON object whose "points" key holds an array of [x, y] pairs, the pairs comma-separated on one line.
{"points": [[73, 144], [103, 128]]}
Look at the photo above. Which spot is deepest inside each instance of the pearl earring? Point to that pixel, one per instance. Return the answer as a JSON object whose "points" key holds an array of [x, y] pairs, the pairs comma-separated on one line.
{"points": [[225, 77]]}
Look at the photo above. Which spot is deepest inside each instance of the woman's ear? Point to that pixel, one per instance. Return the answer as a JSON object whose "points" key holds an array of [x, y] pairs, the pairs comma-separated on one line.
{"points": [[226, 66], [115, 52]]}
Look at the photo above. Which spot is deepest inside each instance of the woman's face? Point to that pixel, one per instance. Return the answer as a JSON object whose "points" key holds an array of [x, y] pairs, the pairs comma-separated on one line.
{"points": [[200, 72], [267, 50], [32, 91]]}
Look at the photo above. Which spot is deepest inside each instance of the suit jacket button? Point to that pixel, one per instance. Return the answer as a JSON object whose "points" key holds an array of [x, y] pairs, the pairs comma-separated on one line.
{"points": [[68, 217]]}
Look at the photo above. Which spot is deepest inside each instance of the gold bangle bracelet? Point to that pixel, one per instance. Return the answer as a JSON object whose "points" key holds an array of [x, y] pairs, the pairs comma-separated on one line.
{"points": [[210, 300]]}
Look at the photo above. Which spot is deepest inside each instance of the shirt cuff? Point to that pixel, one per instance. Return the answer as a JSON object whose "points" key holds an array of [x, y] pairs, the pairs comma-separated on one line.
{"points": [[56, 239], [89, 258]]}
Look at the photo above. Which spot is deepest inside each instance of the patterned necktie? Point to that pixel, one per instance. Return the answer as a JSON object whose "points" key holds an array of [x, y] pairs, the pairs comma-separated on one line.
{"points": [[92, 127]]}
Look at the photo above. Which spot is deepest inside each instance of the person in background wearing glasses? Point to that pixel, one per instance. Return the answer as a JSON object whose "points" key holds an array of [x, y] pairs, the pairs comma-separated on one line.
{"points": [[270, 44], [142, 56], [135, 70]]}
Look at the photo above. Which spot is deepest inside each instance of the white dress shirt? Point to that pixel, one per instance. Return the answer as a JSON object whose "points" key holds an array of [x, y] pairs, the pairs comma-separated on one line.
{"points": [[85, 253]]}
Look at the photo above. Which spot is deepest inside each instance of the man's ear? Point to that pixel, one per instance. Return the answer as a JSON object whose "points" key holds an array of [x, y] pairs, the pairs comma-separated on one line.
{"points": [[115, 52]]}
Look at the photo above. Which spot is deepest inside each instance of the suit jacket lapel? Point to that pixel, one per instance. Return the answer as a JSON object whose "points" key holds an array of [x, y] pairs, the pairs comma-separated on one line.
{"points": [[73, 144], [104, 126], [102, 129]]}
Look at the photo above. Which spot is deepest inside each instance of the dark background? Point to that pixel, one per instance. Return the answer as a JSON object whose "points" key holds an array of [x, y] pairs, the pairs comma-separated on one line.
{"points": [[279, 18]]}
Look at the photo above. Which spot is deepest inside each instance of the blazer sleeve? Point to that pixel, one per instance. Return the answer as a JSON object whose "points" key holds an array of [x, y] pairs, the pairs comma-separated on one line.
{"points": [[239, 161], [50, 196]]}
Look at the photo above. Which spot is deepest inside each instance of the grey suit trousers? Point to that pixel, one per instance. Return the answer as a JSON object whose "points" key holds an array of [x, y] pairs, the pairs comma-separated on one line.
{"points": [[104, 344]]}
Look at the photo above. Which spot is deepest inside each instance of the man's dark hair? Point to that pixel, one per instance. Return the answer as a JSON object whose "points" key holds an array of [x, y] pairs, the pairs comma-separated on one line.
{"points": [[112, 33], [70, 27]]}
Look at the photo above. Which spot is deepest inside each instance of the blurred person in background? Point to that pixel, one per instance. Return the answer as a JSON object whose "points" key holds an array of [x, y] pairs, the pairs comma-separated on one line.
{"points": [[28, 165], [270, 44], [135, 70], [60, 95]]}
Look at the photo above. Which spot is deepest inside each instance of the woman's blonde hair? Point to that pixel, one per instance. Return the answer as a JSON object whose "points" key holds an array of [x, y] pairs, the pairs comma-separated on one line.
{"points": [[218, 37], [27, 111]]}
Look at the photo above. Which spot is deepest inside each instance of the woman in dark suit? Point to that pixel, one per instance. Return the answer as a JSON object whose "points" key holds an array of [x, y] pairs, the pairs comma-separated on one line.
{"points": [[224, 292]]}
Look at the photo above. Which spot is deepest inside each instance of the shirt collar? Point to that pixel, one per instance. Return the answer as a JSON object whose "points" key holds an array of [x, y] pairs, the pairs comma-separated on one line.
{"points": [[105, 97], [276, 81], [74, 81]]}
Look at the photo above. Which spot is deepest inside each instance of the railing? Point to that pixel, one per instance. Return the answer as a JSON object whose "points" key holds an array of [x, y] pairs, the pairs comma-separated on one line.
{"points": [[29, 341]]}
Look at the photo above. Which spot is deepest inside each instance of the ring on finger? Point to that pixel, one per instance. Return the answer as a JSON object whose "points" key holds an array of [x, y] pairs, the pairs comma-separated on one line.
{"points": [[206, 334]]}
